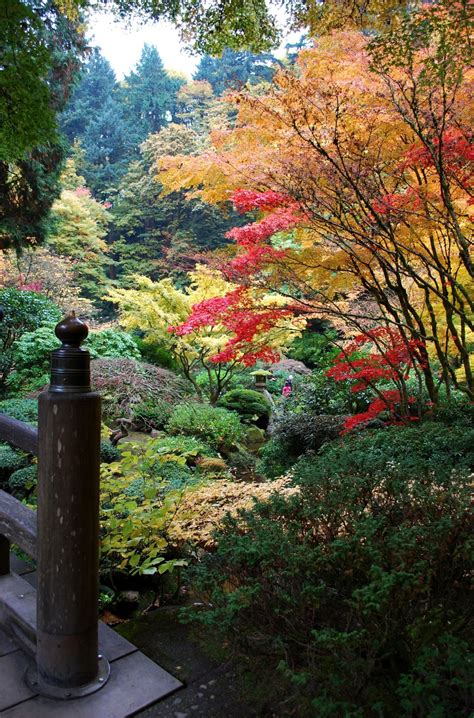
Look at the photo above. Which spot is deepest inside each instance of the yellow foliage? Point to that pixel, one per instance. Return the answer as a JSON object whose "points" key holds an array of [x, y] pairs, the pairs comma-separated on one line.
{"points": [[202, 510]]}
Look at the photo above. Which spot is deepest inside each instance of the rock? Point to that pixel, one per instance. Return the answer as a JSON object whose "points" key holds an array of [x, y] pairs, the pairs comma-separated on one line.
{"points": [[291, 366], [127, 602]]}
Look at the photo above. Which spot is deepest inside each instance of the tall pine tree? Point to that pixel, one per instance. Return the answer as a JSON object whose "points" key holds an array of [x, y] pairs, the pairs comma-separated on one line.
{"points": [[234, 69], [149, 95], [95, 116]]}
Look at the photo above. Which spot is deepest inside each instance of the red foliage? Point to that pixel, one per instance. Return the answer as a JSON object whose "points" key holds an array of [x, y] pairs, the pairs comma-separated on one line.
{"points": [[392, 361], [393, 203], [236, 312], [31, 287], [280, 219], [246, 200], [457, 152]]}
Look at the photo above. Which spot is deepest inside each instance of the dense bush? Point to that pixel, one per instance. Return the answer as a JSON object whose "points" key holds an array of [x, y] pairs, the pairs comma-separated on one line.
{"points": [[112, 343], [21, 409], [10, 461], [138, 500], [125, 383], [24, 311], [31, 358], [23, 481], [150, 415], [356, 588], [251, 405], [316, 350], [215, 426], [295, 434], [108, 452], [188, 447], [156, 354]]}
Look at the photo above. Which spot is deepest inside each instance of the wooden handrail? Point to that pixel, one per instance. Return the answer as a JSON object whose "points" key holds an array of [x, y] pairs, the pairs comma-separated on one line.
{"points": [[22, 435], [18, 523]]}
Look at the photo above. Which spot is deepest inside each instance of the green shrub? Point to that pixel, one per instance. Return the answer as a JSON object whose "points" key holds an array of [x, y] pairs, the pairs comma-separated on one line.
{"points": [[31, 356], [150, 415], [251, 405], [23, 481], [25, 311], [293, 435], [156, 354], [21, 409], [316, 350], [112, 343], [355, 588], [108, 452], [215, 426], [10, 460], [185, 446], [137, 505], [242, 465], [125, 383]]}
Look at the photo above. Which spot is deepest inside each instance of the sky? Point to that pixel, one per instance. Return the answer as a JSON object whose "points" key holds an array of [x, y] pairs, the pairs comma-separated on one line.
{"points": [[121, 43]]}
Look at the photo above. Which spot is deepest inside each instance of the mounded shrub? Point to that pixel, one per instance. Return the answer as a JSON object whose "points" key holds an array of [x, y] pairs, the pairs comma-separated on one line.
{"points": [[294, 435], [10, 461], [150, 415], [250, 405], [21, 409], [355, 589], [108, 452], [111, 344], [217, 427], [23, 481], [125, 383]]}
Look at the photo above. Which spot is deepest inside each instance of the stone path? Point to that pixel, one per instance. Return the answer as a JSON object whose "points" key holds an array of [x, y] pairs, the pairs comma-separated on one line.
{"points": [[212, 687]]}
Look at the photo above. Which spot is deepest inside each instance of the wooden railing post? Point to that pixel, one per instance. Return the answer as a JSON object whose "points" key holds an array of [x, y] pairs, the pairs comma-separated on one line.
{"points": [[67, 661], [4, 555]]}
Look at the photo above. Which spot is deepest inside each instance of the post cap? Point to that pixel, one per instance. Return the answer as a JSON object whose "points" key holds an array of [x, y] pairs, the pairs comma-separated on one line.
{"points": [[71, 331], [70, 365]]}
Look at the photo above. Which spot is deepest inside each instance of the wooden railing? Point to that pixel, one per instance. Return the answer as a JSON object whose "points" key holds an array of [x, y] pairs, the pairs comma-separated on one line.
{"points": [[58, 626]]}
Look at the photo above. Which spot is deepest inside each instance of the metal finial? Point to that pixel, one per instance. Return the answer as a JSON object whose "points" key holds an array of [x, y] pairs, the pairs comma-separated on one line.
{"points": [[71, 331], [70, 365]]}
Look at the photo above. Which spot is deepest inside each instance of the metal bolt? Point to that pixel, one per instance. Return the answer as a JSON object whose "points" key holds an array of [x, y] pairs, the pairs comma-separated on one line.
{"points": [[21, 595], [101, 680], [100, 656]]}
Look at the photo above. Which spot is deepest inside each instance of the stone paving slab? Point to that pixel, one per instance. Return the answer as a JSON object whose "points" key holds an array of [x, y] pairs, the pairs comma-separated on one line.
{"points": [[211, 686]]}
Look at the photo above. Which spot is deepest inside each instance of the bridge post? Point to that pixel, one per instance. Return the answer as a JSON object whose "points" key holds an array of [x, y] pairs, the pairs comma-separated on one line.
{"points": [[67, 661], [4, 555]]}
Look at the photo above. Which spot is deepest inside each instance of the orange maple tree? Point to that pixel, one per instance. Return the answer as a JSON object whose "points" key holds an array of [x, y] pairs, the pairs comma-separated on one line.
{"points": [[357, 168]]}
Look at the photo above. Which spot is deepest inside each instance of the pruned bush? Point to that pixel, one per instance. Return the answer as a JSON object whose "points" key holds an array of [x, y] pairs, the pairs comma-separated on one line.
{"points": [[250, 405], [294, 435], [217, 427], [108, 452], [112, 344], [150, 415], [23, 481], [356, 589], [20, 409], [125, 383], [10, 461]]}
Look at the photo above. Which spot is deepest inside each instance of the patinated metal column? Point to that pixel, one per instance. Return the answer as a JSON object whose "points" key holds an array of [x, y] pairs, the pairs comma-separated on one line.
{"points": [[67, 661]]}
